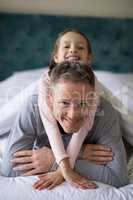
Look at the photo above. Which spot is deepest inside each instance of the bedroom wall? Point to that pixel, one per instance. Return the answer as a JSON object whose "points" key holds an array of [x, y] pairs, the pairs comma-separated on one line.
{"points": [[26, 40], [111, 8]]}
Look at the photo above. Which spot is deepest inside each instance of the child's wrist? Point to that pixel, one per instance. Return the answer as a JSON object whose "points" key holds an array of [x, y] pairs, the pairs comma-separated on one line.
{"points": [[65, 166], [64, 163]]}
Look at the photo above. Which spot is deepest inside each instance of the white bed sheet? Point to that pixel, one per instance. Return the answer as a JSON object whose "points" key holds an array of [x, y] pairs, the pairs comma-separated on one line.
{"points": [[121, 85], [16, 83], [21, 187]]}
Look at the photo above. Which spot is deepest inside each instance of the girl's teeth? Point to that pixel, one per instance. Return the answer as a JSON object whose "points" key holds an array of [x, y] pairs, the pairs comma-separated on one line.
{"points": [[73, 58]]}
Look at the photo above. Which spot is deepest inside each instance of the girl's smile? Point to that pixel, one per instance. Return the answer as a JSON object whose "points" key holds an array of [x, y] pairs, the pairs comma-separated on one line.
{"points": [[72, 46]]}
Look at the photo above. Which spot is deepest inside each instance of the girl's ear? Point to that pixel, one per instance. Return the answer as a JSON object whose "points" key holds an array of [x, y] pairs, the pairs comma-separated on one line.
{"points": [[55, 58]]}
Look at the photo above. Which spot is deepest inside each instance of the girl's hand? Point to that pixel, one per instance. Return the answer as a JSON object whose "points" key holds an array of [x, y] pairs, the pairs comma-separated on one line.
{"points": [[53, 179], [49, 180], [97, 154], [77, 180], [73, 177]]}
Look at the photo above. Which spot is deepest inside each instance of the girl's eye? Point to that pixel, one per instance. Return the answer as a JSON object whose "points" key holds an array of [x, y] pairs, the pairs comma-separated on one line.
{"points": [[80, 47], [66, 47]]}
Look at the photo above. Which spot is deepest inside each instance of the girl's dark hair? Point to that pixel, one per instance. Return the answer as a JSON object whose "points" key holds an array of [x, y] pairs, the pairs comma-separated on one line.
{"points": [[73, 71], [55, 48]]}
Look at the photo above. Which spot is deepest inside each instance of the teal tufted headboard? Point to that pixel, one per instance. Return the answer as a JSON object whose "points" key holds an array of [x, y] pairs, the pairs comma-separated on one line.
{"points": [[26, 41]]}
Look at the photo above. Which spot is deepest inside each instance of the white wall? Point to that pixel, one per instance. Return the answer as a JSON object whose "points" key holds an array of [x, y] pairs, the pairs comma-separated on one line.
{"points": [[114, 8]]}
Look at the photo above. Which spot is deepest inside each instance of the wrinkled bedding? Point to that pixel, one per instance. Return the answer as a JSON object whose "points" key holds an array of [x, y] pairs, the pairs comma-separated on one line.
{"points": [[21, 188]]}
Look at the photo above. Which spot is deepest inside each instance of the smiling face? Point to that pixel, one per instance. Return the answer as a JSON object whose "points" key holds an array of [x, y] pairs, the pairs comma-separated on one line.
{"points": [[72, 47], [70, 104]]}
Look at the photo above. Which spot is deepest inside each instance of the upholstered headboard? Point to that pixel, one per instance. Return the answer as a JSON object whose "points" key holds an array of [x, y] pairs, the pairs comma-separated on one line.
{"points": [[26, 41]]}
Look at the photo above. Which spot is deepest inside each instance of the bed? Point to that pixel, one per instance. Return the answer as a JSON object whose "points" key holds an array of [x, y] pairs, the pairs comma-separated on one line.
{"points": [[22, 61]]}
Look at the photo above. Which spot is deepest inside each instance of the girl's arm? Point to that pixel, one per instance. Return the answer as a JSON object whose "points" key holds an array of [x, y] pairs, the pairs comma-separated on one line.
{"points": [[49, 121], [78, 138], [52, 129]]}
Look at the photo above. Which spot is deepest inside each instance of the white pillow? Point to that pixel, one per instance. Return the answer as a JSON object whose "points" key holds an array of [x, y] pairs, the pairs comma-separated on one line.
{"points": [[120, 94], [17, 83], [121, 86]]}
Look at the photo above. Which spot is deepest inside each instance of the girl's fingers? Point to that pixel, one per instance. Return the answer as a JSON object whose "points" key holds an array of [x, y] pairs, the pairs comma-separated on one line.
{"points": [[38, 184], [41, 180], [87, 185], [86, 182], [44, 185], [41, 184], [52, 186]]}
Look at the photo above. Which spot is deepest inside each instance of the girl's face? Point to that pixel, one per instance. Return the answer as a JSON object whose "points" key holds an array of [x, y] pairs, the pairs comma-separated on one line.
{"points": [[72, 47]]}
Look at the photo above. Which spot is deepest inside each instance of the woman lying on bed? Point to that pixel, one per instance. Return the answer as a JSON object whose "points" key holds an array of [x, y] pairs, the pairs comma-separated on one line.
{"points": [[105, 153]]}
